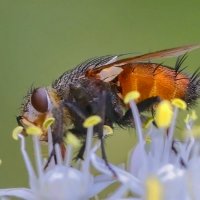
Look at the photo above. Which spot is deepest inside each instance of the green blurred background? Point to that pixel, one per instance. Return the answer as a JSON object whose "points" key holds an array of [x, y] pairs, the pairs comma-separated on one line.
{"points": [[40, 39]]}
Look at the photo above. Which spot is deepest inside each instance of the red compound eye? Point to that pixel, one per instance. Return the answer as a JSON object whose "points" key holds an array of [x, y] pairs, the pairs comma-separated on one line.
{"points": [[39, 100]]}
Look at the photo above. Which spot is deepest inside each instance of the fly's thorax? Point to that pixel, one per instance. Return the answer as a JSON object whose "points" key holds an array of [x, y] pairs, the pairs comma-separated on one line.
{"points": [[61, 85]]}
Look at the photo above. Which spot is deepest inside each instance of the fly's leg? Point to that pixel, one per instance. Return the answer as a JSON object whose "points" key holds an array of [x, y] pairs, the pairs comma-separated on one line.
{"points": [[57, 132]]}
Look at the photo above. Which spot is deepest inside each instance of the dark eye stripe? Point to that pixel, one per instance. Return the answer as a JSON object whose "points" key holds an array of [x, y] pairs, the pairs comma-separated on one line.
{"points": [[39, 100]]}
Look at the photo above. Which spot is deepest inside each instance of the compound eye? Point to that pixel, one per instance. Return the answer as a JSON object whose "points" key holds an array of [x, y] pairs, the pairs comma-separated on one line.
{"points": [[39, 100]]}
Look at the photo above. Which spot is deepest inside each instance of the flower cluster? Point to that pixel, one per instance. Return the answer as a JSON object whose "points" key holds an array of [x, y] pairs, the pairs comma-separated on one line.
{"points": [[160, 167]]}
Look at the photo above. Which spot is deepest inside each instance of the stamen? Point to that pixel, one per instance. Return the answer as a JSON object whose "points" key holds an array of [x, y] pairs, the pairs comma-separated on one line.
{"points": [[154, 189], [50, 142], [72, 142], [134, 95], [163, 115], [129, 98], [168, 143], [34, 130], [38, 158], [18, 130], [87, 150], [173, 124], [47, 125], [89, 123], [92, 121], [179, 103], [48, 122], [31, 173]]}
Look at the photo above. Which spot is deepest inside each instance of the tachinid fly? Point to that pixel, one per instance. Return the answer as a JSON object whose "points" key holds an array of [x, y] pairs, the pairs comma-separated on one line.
{"points": [[97, 86]]}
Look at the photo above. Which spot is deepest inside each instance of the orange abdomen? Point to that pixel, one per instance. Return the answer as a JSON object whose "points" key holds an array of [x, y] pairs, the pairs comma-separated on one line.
{"points": [[153, 80]]}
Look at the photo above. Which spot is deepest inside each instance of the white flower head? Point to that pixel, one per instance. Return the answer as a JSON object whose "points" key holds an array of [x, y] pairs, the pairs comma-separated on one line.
{"points": [[59, 180]]}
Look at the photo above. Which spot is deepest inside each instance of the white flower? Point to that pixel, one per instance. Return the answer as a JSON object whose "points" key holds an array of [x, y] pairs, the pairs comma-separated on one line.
{"points": [[59, 181], [163, 169]]}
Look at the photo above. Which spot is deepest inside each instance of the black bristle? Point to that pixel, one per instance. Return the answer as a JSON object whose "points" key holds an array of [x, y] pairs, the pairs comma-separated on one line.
{"points": [[26, 100], [195, 75], [193, 91], [155, 69], [179, 62]]}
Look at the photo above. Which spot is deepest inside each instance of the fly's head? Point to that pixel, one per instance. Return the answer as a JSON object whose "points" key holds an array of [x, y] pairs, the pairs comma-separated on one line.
{"points": [[37, 107]]}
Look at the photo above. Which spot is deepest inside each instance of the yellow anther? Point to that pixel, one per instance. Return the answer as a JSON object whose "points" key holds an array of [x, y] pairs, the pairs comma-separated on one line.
{"points": [[48, 122], [164, 114], [16, 132], [107, 130], [34, 130], [92, 121], [73, 140], [154, 189], [131, 96], [0, 162], [179, 103]]}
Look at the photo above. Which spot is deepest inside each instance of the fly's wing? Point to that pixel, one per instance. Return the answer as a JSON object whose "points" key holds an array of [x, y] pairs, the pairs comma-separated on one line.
{"points": [[109, 71], [174, 52]]}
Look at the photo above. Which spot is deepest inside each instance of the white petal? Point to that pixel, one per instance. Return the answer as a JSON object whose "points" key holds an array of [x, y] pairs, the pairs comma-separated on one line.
{"points": [[22, 193]]}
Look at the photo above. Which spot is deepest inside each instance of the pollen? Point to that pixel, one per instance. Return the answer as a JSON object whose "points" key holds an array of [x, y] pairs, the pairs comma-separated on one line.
{"points": [[34, 130], [154, 189], [73, 140], [179, 103], [164, 114], [48, 122], [131, 96], [16, 132], [92, 121]]}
